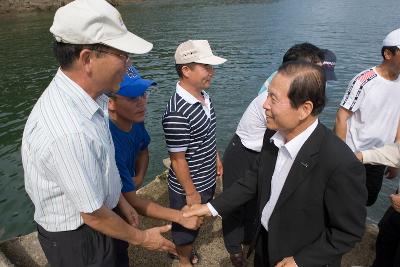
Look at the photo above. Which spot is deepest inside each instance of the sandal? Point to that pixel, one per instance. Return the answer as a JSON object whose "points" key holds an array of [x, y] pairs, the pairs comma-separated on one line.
{"points": [[194, 257]]}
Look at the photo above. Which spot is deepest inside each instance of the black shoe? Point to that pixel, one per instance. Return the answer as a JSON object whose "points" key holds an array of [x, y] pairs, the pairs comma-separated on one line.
{"points": [[238, 259]]}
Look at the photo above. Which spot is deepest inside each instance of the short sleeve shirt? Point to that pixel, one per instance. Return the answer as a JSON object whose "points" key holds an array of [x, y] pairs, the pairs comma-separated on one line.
{"points": [[189, 126], [374, 102], [252, 125], [128, 145]]}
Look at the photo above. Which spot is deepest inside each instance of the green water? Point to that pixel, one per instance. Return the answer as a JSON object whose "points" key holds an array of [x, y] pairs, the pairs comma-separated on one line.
{"points": [[252, 35]]}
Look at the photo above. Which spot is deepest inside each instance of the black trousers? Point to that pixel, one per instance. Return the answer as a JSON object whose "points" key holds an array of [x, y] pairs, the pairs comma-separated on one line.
{"points": [[81, 247], [121, 246], [261, 258], [388, 240], [374, 175], [239, 226]]}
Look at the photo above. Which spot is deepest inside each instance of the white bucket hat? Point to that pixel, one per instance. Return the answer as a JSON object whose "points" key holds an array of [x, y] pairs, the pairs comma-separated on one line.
{"points": [[95, 22], [392, 39], [196, 51]]}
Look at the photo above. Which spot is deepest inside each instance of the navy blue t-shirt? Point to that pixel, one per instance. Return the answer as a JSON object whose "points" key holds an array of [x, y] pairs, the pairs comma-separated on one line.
{"points": [[127, 147]]}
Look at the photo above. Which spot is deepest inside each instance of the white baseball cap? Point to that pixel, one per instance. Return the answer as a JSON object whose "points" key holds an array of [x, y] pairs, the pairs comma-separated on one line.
{"points": [[95, 22], [196, 51], [392, 39]]}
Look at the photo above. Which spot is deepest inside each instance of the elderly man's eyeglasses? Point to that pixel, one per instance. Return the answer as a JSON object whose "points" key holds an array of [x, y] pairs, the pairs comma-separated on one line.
{"points": [[124, 57]]}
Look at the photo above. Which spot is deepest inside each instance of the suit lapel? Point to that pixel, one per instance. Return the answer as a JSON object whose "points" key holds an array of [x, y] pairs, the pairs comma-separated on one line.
{"points": [[303, 164], [267, 169]]}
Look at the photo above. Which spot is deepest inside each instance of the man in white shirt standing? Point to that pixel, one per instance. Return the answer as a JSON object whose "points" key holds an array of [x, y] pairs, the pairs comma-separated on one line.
{"points": [[67, 150], [310, 188], [369, 113]]}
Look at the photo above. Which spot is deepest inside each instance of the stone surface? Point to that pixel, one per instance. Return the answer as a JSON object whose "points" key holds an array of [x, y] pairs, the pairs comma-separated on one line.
{"points": [[18, 6], [26, 251]]}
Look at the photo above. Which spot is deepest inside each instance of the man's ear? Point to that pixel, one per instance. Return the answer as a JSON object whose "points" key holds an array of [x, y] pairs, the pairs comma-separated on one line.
{"points": [[306, 109], [111, 104], [387, 54], [85, 59], [186, 71]]}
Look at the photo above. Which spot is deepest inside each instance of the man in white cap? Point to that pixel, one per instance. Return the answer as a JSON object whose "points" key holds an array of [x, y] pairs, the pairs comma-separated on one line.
{"points": [[369, 113], [67, 150], [189, 127]]}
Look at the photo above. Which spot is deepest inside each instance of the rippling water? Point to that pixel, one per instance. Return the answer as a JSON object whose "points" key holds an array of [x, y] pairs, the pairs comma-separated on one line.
{"points": [[252, 35]]}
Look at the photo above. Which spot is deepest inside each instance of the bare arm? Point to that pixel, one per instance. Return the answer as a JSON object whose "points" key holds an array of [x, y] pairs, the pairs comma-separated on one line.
{"points": [[107, 222], [181, 169], [141, 165], [220, 168], [151, 209], [128, 211], [340, 127]]}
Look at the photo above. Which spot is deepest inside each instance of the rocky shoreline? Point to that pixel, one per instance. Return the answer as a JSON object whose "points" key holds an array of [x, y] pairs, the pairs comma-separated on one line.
{"points": [[25, 251], [27, 6]]}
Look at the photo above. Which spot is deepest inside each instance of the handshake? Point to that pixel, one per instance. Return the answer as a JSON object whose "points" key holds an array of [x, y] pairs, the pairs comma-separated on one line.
{"points": [[193, 216]]}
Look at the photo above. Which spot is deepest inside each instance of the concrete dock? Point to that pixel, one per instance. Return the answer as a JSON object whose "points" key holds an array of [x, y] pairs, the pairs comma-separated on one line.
{"points": [[25, 251]]}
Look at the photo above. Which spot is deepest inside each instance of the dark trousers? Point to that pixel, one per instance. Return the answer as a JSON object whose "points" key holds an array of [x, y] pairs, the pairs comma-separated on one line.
{"points": [[121, 246], [81, 247], [374, 175], [388, 240], [182, 236], [261, 258], [239, 226]]}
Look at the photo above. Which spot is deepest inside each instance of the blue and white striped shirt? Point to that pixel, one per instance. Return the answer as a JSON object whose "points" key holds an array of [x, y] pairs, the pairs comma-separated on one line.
{"points": [[190, 126], [68, 156]]}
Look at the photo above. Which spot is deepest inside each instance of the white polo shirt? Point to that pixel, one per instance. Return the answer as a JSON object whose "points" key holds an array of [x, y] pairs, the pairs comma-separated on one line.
{"points": [[375, 103], [68, 156], [252, 125]]}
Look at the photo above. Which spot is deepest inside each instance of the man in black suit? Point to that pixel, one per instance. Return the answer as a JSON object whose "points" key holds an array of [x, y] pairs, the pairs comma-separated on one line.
{"points": [[310, 187]]}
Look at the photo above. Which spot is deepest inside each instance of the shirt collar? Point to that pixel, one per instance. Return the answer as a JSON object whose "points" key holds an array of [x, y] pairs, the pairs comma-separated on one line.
{"points": [[84, 103], [294, 145], [187, 96]]}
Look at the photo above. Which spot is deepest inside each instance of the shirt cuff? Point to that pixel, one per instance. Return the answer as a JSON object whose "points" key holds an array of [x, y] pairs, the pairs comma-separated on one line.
{"points": [[367, 157], [177, 149], [213, 211]]}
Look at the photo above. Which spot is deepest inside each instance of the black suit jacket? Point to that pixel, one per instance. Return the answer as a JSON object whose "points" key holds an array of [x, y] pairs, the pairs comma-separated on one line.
{"points": [[320, 213]]}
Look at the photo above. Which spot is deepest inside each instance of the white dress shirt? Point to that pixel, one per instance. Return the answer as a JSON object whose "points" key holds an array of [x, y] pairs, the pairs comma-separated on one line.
{"points": [[68, 156], [286, 155]]}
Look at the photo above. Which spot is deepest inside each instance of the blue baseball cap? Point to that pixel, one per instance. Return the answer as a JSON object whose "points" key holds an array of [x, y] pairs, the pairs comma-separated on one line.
{"points": [[133, 85]]}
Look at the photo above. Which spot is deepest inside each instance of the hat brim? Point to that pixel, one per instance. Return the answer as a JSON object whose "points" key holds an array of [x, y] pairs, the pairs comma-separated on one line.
{"points": [[136, 88], [130, 43], [212, 60]]}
